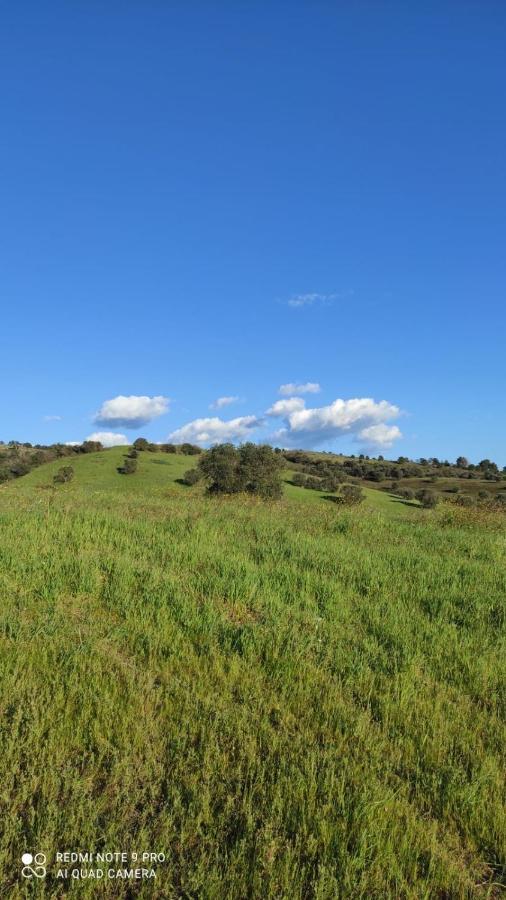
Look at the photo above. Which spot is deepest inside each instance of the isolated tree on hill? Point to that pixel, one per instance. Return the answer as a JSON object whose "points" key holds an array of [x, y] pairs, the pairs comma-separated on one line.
{"points": [[251, 468], [259, 470], [141, 444], [220, 466]]}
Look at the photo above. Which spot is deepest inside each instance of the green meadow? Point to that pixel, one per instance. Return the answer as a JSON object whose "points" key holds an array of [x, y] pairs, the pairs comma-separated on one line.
{"points": [[288, 699]]}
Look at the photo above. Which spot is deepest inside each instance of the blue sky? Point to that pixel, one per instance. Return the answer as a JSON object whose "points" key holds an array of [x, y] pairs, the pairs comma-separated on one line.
{"points": [[205, 200]]}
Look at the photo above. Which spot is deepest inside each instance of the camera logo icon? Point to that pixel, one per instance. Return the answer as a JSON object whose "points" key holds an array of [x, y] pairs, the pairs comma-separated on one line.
{"points": [[33, 866]]}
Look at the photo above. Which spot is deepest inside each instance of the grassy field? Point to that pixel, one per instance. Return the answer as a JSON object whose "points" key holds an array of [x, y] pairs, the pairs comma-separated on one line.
{"points": [[289, 700]]}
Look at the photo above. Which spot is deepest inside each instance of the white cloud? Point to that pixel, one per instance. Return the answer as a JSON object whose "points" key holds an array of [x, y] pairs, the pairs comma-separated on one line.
{"points": [[215, 430], [109, 438], [309, 387], [223, 401], [298, 300], [131, 412], [379, 435], [52, 418], [73, 443], [362, 418], [285, 407]]}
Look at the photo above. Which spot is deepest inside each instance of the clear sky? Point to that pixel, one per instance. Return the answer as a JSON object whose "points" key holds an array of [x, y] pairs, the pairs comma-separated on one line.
{"points": [[205, 200]]}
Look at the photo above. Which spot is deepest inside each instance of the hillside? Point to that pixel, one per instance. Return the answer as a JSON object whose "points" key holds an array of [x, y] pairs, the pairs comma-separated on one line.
{"points": [[287, 699], [96, 473]]}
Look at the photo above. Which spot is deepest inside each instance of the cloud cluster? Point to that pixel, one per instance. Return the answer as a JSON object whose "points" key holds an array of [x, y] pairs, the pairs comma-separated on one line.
{"points": [[109, 438], [131, 412], [361, 418], [309, 387], [223, 401], [215, 430]]}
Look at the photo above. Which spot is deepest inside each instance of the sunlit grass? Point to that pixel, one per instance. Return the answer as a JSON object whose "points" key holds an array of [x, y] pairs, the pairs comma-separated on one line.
{"points": [[290, 700]]}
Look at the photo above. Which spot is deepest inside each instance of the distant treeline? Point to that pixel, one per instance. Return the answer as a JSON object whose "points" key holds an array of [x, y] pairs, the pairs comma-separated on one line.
{"points": [[381, 469]]}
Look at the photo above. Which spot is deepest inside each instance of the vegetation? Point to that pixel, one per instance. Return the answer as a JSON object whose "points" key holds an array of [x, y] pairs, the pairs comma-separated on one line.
{"points": [[64, 474], [427, 499], [252, 468], [18, 459], [290, 700]]}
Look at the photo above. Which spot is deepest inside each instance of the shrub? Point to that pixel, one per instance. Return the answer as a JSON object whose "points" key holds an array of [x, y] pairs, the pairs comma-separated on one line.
{"points": [[90, 447], [191, 476], [260, 470], [466, 500], [251, 468], [64, 474], [133, 454], [129, 466], [428, 499], [190, 449], [352, 494], [141, 444], [220, 467]]}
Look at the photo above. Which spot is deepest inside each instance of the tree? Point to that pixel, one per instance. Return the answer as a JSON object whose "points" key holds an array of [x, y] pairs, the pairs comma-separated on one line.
{"points": [[190, 449], [462, 462], [251, 468], [260, 470], [220, 467], [141, 444], [486, 465]]}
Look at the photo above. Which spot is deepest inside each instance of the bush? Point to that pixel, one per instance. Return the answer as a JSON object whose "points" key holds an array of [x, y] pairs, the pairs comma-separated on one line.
{"points": [[129, 466], [191, 476], [141, 444], [90, 447], [220, 467], [352, 494], [428, 499], [252, 468], [190, 449], [63, 475], [133, 454], [260, 470]]}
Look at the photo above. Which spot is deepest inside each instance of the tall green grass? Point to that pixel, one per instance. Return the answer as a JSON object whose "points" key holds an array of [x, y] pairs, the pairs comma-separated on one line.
{"points": [[289, 700]]}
